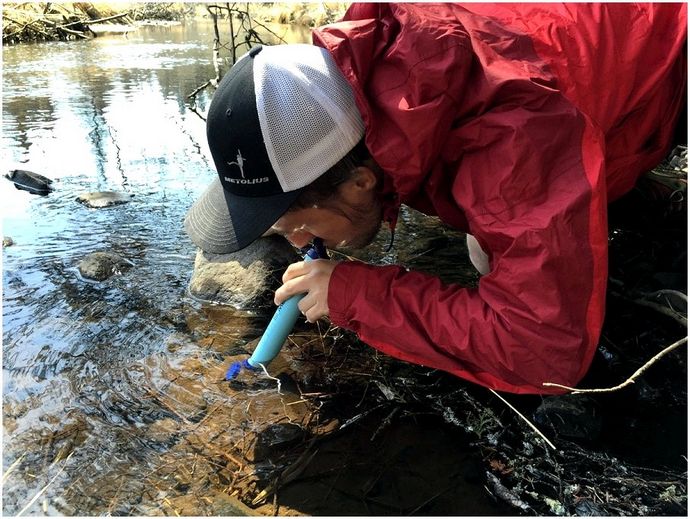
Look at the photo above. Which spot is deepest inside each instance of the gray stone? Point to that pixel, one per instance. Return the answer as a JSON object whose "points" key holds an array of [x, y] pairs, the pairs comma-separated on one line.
{"points": [[99, 266], [100, 199], [243, 279], [29, 181], [7, 241]]}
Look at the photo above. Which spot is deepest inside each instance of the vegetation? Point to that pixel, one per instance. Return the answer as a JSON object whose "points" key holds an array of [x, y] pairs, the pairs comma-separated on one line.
{"points": [[47, 21]]}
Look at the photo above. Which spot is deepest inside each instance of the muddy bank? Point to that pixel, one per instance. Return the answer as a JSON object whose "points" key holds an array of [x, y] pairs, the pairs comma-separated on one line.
{"points": [[48, 21]]}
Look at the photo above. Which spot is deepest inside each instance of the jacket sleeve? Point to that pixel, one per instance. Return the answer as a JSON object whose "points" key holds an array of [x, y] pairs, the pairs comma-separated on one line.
{"points": [[529, 180]]}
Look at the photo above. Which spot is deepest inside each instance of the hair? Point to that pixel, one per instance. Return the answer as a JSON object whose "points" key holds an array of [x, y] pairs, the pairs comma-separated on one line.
{"points": [[324, 186]]}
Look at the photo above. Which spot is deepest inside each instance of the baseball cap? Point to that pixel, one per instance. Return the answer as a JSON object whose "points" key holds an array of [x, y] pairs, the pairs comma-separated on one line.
{"points": [[281, 117]]}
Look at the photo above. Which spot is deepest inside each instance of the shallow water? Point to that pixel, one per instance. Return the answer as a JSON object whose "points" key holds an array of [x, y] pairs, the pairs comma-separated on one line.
{"points": [[105, 114]]}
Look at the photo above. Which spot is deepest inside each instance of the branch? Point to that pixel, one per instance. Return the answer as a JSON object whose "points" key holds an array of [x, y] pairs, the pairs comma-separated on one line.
{"points": [[75, 33], [666, 309], [199, 89], [630, 380], [534, 427], [87, 21]]}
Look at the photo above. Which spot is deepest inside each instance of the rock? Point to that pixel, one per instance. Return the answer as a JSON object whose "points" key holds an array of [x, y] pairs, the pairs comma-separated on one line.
{"points": [[274, 439], [224, 505], [29, 181], [570, 416], [243, 279], [588, 508], [101, 265], [7, 241], [100, 199], [176, 317]]}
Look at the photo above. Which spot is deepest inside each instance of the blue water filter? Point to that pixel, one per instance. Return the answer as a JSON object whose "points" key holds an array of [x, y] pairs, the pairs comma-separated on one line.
{"points": [[280, 326]]}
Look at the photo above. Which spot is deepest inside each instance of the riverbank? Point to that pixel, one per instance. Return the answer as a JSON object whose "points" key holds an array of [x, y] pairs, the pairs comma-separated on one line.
{"points": [[49, 21]]}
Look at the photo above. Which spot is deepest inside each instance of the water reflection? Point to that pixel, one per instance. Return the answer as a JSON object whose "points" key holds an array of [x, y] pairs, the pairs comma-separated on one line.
{"points": [[86, 366]]}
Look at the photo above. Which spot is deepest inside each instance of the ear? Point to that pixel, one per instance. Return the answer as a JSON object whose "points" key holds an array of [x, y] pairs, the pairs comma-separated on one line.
{"points": [[365, 178], [362, 182]]}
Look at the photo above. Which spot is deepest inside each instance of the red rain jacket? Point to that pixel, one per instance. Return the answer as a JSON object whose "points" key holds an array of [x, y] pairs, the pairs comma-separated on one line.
{"points": [[517, 124]]}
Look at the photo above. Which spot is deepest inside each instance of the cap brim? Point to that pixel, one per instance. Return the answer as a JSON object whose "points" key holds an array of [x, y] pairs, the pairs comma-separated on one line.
{"points": [[221, 223]]}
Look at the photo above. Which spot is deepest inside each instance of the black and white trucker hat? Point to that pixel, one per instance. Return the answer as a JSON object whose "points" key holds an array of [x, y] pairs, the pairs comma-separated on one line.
{"points": [[281, 117]]}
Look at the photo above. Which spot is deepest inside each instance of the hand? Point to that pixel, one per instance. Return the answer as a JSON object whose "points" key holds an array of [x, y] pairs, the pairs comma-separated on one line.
{"points": [[310, 278]]}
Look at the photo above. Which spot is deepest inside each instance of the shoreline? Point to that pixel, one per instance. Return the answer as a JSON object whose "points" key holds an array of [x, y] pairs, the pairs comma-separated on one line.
{"points": [[43, 21]]}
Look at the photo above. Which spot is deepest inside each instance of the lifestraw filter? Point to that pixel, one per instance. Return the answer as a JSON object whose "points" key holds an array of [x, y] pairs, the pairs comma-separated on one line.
{"points": [[279, 327]]}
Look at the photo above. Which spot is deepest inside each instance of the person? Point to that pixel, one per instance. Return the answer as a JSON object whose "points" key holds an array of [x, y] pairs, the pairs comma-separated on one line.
{"points": [[516, 124]]}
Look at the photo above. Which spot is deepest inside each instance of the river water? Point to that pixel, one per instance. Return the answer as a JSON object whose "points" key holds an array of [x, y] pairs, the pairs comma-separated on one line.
{"points": [[106, 114], [105, 385]]}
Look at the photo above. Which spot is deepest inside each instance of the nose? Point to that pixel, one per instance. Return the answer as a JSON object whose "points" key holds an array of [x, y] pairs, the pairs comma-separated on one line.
{"points": [[300, 238]]}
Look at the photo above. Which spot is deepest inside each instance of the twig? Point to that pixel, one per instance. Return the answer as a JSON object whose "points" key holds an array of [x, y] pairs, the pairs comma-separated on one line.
{"points": [[501, 491], [88, 21], [432, 498], [12, 467], [199, 89], [74, 33], [289, 474], [40, 493], [663, 309], [220, 452], [630, 380], [384, 423], [525, 419]]}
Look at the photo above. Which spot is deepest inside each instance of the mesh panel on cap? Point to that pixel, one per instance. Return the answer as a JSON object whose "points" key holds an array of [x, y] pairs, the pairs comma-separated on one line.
{"points": [[308, 116]]}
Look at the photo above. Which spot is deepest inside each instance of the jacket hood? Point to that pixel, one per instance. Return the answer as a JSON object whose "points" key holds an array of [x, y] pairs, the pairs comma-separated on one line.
{"points": [[400, 100]]}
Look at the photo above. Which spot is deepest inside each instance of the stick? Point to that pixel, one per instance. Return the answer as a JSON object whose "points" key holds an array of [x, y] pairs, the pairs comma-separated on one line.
{"points": [[630, 380], [74, 33], [289, 474], [525, 419], [664, 309], [99, 20], [12, 467], [505, 494], [199, 89], [40, 493]]}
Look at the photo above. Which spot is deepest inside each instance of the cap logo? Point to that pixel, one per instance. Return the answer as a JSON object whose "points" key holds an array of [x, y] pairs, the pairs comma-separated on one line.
{"points": [[244, 181], [239, 163]]}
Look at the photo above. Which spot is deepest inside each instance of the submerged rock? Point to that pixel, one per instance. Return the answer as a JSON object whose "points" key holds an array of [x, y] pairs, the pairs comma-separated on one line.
{"points": [[274, 439], [29, 181], [243, 279], [100, 199], [99, 266]]}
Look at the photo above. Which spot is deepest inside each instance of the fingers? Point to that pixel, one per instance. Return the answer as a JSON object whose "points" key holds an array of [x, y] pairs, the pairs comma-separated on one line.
{"points": [[294, 270], [310, 278], [311, 309], [290, 287]]}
